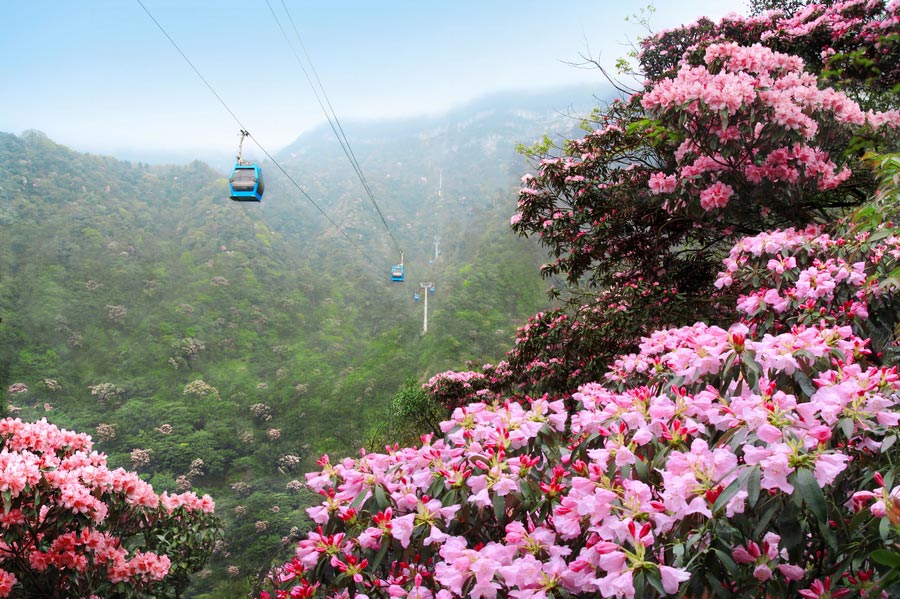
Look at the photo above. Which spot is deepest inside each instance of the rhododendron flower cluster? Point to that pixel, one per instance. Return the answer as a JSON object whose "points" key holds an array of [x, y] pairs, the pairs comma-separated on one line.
{"points": [[817, 275], [72, 527], [750, 114], [704, 428], [852, 41], [731, 133]]}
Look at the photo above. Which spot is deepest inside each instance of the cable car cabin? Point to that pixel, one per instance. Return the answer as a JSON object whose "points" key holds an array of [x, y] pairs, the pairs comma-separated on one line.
{"points": [[431, 290], [416, 296], [397, 272], [246, 183]]}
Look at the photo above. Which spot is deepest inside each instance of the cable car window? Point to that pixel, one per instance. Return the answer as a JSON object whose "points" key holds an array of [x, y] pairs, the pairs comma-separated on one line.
{"points": [[243, 179]]}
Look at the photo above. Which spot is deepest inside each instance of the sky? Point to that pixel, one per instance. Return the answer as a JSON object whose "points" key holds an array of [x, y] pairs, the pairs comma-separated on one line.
{"points": [[99, 76]]}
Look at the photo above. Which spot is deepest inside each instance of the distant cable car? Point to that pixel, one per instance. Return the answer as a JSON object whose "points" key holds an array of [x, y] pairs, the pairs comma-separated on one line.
{"points": [[397, 273], [246, 182], [416, 296], [431, 290]]}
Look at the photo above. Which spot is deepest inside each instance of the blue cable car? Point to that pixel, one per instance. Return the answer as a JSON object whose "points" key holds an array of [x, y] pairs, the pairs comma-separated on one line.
{"points": [[416, 296], [246, 181], [397, 274], [431, 290]]}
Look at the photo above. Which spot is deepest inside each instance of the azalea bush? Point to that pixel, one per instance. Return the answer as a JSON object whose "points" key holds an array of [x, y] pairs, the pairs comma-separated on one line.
{"points": [[715, 414], [71, 527], [753, 460], [556, 351]]}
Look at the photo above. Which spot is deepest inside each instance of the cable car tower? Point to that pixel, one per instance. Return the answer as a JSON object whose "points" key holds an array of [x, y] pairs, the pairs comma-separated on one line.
{"points": [[427, 289]]}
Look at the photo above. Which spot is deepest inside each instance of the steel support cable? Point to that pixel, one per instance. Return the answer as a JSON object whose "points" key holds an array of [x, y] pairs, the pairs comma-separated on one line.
{"points": [[241, 125], [330, 113]]}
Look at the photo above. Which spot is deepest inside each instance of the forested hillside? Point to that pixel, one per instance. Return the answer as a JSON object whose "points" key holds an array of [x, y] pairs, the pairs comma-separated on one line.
{"points": [[224, 347]]}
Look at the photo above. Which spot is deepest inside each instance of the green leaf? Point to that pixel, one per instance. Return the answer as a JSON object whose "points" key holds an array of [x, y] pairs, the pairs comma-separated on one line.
{"points": [[886, 557], [846, 426], [753, 487], [790, 526], [731, 490], [358, 500], [639, 580], [751, 369], [380, 498], [655, 580], [640, 468], [812, 494], [385, 544], [499, 508], [805, 383], [728, 562]]}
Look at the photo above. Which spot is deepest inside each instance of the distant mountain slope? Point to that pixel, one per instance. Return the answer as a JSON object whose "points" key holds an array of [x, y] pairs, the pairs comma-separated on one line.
{"points": [[225, 345]]}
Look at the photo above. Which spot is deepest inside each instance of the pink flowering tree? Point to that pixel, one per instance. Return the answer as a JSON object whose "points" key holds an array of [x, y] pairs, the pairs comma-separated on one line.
{"points": [[71, 527], [740, 127], [851, 44]]}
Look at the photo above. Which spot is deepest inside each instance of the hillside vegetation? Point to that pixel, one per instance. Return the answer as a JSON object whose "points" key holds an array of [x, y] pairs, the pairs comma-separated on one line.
{"points": [[223, 347]]}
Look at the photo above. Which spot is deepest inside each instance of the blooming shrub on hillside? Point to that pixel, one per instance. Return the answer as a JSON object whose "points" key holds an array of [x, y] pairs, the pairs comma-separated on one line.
{"points": [[750, 456], [751, 116], [697, 451], [73, 528], [743, 461]]}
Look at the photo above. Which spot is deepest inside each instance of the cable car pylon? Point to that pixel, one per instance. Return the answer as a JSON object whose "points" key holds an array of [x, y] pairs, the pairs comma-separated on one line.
{"points": [[426, 287]]}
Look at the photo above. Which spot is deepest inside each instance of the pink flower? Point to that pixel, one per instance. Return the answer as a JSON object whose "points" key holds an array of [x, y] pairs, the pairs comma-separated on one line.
{"points": [[402, 528], [617, 584], [769, 433], [746, 555], [7, 582], [662, 183], [672, 578], [716, 196], [791, 572], [762, 573], [828, 466]]}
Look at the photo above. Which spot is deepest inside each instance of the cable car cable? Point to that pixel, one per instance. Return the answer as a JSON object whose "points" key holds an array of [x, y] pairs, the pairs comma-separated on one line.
{"points": [[329, 113], [335, 124], [264, 151]]}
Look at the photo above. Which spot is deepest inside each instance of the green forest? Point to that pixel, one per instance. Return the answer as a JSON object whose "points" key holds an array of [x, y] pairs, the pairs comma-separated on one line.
{"points": [[224, 347], [648, 347]]}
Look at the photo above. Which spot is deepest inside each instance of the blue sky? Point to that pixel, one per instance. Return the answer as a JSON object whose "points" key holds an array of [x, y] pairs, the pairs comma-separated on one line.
{"points": [[99, 76]]}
